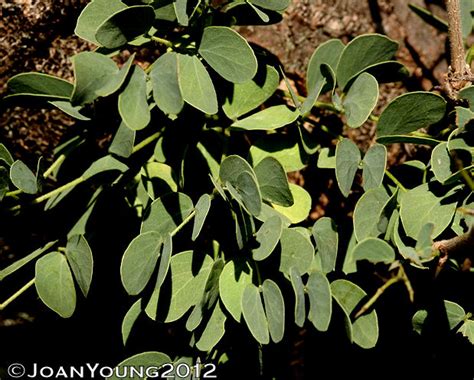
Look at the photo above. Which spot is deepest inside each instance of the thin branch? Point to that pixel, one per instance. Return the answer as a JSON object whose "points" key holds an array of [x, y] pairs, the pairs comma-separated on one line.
{"points": [[18, 293]]}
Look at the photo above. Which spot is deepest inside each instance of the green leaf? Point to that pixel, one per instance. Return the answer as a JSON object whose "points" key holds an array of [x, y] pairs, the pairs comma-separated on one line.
{"points": [[407, 139], [347, 162], [122, 144], [130, 318], [139, 261], [254, 314], [273, 182], [298, 288], [93, 15], [374, 250], [299, 211], [320, 301], [203, 206], [373, 166], [188, 281], [125, 25], [104, 164], [368, 213], [274, 309], [362, 52], [441, 162], [467, 93], [69, 109], [282, 147], [467, 330], [454, 313], [79, 257], [360, 100], [429, 17], [269, 119], [296, 251], [150, 359], [196, 84], [228, 53], [365, 328], [249, 95], [164, 79], [55, 285], [24, 260], [325, 81], [39, 85], [92, 72], [214, 330], [466, 8], [327, 240], [410, 112], [327, 53], [132, 102], [5, 155], [418, 320], [158, 179], [167, 212], [116, 81], [233, 280], [23, 178], [272, 5], [268, 237], [180, 8], [420, 206], [424, 242]]}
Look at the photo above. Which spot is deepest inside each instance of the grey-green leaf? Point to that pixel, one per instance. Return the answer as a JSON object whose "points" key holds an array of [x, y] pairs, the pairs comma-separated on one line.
{"points": [[360, 100], [273, 182], [373, 166], [249, 95], [467, 330], [320, 301], [274, 309], [130, 318], [79, 257], [150, 359], [167, 212], [124, 25], [69, 109], [362, 52], [267, 236], [254, 314], [196, 85], [55, 285], [410, 112], [164, 79], [273, 5], [23, 178], [368, 213], [233, 280], [214, 330], [104, 164], [269, 119], [122, 144], [5, 155], [247, 187], [139, 261], [298, 288], [132, 102], [374, 250], [441, 162], [327, 240], [365, 329], [39, 85], [228, 53], [203, 206], [296, 251], [420, 206], [347, 162], [93, 15]]}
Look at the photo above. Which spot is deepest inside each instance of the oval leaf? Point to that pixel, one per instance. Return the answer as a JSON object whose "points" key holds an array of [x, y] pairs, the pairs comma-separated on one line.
{"points": [[298, 288], [39, 85], [301, 207], [368, 212], [269, 119], [360, 100], [325, 234], [254, 314], [23, 178], [203, 206], [132, 102], [373, 166], [79, 257], [320, 301], [347, 162], [227, 52], [273, 182], [410, 112], [267, 236], [151, 359], [274, 309], [296, 251], [214, 330], [55, 285], [374, 250], [129, 320]]}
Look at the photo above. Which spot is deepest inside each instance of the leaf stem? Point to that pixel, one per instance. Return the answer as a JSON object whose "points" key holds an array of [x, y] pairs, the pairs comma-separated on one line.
{"points": [[13, 193], [395, 180], [146, 141], [59, 189], [376, 296], [54, 165], [183, 223], [18, 293], [162, 41]]}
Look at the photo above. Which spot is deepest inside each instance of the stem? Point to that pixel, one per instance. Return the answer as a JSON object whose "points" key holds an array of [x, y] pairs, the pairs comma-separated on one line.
{"points": [[183, 223], [376, 296], [455, 37], [59, 189], [145, 142], [54, 165], [13, 193], [18, 293], [395, 180], [162, 41]]}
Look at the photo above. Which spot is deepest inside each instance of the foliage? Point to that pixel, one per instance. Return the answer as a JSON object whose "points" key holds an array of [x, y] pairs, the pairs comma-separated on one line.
{"points": [[201, 158]]}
